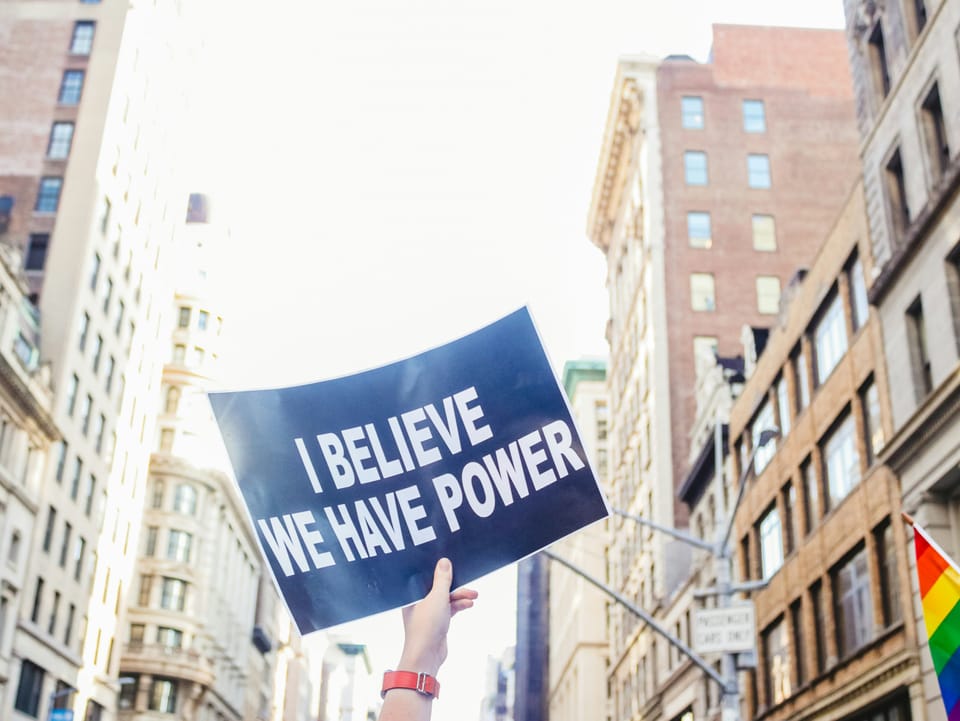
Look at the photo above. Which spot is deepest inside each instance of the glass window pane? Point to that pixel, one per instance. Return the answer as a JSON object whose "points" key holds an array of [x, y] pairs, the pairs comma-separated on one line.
{"points": [[764, 233], [841, 461], [691, 108], [771, 543], [758, 171], [698, 229], [754, 116], [702, 291], [830, 339], [695, 167], [768, 294]]}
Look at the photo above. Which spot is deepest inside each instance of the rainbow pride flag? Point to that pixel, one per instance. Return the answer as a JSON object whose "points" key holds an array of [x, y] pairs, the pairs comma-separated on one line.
{"points": [[940, 596]]}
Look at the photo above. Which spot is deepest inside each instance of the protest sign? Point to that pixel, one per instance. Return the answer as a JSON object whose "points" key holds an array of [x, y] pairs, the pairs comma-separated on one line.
{"points": [[357, 485]]}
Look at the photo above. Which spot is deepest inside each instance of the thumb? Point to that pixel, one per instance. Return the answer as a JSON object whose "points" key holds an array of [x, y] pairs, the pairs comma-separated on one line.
{"points": [[442, 577]]}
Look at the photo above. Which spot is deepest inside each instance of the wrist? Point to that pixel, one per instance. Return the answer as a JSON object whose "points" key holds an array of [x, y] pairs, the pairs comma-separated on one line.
{"points": [[419, 662]]}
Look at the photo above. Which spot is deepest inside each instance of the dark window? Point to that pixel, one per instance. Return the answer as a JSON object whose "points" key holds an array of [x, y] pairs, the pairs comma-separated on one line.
{"points": [[97, 351], [48, 531], [72, 394], [48, 196], [802, 377], [71, 87], [859, 305], [78, 552], [37, 251], [61, 460], [789, 523], [146, 586], [872, 420], [37, 601], [935, 133], [61, 137], [68, 629], [81, 43], [889, 577], [819, 630], [920, 356], [919, 15], [128, 693], [854, 605], [878, 62], [65, 545], [776, 649], [796, 629], [75, 482], [29, 688], [54, 610], [184, 318], [897, 195], [94, 710]]}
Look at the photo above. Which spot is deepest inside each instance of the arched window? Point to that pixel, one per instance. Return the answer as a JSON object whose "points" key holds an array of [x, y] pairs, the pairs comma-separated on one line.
{"points": [[173, 399], [185, 500]]}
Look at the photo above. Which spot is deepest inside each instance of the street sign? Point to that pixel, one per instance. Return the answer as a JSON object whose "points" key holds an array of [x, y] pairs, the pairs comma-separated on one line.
{"points": [[61, 714], [724, 630]]}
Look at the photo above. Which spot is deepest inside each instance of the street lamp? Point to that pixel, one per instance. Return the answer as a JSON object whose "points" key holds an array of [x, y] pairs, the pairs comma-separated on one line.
{"points": [[725, 588]]}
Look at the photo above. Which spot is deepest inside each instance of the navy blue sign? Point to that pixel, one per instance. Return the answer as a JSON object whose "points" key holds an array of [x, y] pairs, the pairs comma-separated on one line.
{"points": [[356, 486]]}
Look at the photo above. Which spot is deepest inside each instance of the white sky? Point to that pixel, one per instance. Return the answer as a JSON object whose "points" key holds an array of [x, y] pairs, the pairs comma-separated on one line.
{"points": [[400, 172]]}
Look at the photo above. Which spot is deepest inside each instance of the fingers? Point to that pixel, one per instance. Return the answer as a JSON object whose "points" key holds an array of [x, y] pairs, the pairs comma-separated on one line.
{"points": [[463, 593], [460, 605], [442, 577]]}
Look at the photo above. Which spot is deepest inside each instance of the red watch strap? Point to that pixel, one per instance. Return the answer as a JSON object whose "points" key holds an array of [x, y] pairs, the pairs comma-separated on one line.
{"points": [[422, 683]]}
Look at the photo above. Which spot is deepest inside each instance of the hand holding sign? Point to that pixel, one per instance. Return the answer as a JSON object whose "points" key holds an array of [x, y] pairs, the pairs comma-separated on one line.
{"points": [[356, 485]]}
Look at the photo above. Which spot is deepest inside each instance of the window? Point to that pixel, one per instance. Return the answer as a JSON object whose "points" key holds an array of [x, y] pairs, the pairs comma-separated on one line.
{"points": [[691, 111], [935, 133], [136, 634], [94, 711], [65, 544], [178, 546], [789, 494], [146, 586], [919, 15], [763, 421], [61, 136], [819, 630], [851, 583], [179, 353], [758, 171], [695, 167], [151, 547], [768, 294], [91, 486], [78, 552], [128, 693], [75, 483], [166, 439], [85, 413], [185, 500], [170, 637], [173, 594], [71, 87], [107, 294], [698, 229], [878, 62], [872, 421], [889, 577], [61, 460], [13, 553], [172, 400], [897, 196], [764, 233], [29, 688], [163, 695], [121, 311], [776, 648], [184, 318], [82, 41], [203, 319], [37, 601], [702, 295], [68, 628], [802, 380], [771, 543], [796, 629], [920, 357], [98, 431], [48, 530], [754, 116], [841, 462], [97, 350], [54, 610], [783, 405], [830, 339], [859, 305], [157, 501], [111, 366], [48, 197], [37, 246]]}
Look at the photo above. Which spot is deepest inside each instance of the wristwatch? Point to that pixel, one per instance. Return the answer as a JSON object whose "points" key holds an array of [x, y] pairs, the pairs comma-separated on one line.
{"points": [[422, 683]]}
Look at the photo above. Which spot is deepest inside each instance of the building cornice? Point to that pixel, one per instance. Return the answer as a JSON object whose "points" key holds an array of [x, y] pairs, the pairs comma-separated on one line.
{"points": [[27, 400], [623, 124]]}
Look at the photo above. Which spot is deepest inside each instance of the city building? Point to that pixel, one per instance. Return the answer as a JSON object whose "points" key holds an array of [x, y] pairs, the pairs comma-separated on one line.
{"points": [[715, 183], [497, 703], [27, 432], [906, 74], [578, 611], [532, 657], [91, 143], [820, 520], [349, 689]]}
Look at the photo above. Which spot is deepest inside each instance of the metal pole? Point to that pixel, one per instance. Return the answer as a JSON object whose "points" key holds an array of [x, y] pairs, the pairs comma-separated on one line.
{"points": [[646, 617], [687, 538]]}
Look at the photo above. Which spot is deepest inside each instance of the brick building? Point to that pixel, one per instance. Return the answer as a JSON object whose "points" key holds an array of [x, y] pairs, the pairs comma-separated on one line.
{"points": [[906, 72], [820, 521], [715, 182]]}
